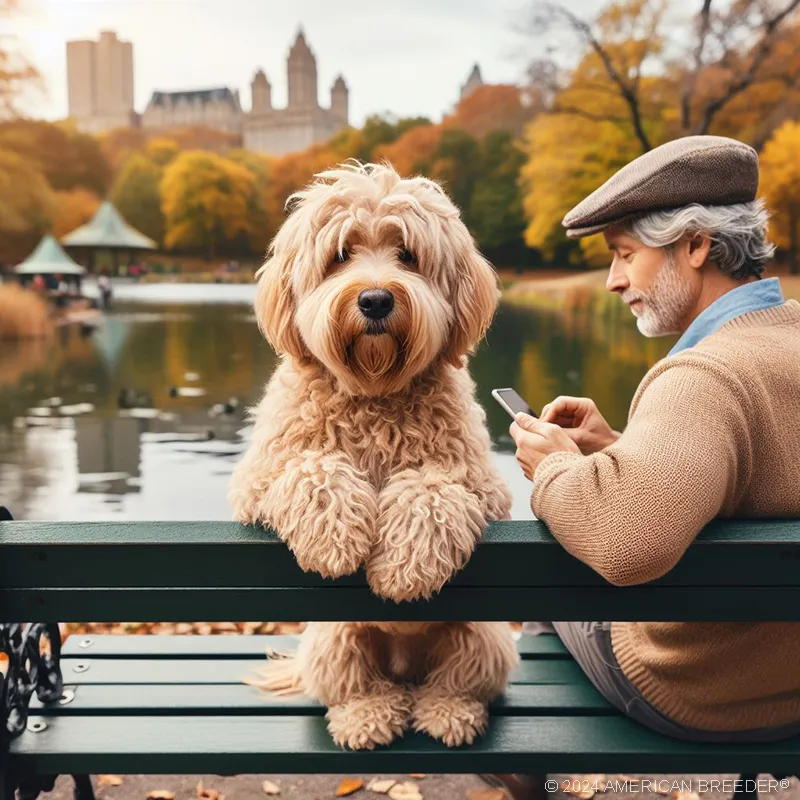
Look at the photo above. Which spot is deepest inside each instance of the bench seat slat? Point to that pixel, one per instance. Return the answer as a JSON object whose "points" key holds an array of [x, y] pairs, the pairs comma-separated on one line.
{"points": [[294, 744], [669, 603], [215, 699], [177, 646], [234, 670]]}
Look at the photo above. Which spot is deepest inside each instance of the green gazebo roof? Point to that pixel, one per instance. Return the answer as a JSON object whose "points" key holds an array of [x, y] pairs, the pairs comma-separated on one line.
{"points": [[108, 229], [48, 258]]}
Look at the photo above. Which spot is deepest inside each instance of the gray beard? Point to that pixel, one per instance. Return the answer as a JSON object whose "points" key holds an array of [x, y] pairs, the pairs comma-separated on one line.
{"points": [[665, 304]]}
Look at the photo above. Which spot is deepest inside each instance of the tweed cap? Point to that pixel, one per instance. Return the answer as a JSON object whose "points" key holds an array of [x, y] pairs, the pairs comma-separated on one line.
{"points": [[711, 170]]}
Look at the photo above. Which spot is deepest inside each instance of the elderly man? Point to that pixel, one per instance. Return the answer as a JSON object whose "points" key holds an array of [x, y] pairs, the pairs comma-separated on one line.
{"points": [[713, 431]]}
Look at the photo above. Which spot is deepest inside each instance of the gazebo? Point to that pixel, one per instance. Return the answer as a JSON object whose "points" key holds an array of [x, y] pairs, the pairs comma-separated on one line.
{"points": [[107, 230], [49, 259]]}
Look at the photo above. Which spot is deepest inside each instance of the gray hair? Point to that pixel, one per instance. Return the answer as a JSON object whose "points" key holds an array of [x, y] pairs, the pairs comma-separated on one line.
{"points": [[738, 233]]}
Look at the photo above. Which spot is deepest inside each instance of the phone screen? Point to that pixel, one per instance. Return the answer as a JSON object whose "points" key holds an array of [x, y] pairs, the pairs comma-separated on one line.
{"points": [[512, 402]]}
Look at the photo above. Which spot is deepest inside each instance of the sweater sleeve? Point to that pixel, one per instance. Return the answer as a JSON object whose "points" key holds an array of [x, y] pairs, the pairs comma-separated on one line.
{"points": [[631, 510]]}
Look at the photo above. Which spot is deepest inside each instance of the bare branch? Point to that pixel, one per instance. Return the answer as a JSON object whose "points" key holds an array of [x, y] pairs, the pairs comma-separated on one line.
{"points": [[627, 92], [743, 81], [702, 34]]}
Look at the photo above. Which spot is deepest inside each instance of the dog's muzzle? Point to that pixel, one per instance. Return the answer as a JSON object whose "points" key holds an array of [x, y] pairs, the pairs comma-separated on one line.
{"points": [[375, 304]]}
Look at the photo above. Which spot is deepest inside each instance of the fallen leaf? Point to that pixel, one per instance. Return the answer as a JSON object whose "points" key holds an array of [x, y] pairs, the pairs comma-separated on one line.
{"points": [[271, 788], [417, 775], [208, 794], [405, 791], [161, 794], [676, 795], [381, 787], [487, 794], [349, 786], [108, 780]]}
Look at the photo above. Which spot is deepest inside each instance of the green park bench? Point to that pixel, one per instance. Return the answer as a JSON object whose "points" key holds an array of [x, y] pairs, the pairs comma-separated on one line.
{"points": [[177, 704]]}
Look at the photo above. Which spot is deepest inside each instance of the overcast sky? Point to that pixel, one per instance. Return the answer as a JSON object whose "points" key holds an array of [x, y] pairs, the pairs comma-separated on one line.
{"points": [[408, 57]]}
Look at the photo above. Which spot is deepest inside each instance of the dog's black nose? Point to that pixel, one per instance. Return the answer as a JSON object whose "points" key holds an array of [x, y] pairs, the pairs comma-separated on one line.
{"points": [[376, 303]]}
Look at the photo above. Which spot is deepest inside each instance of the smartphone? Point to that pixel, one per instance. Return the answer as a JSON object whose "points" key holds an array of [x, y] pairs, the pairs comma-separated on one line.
{"points": [[512, 402]]}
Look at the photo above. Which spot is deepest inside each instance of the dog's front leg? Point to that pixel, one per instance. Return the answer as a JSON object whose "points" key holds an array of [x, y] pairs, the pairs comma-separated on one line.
{"points": [[325, 511], [339, 667], [472, 662], [428, 525]]}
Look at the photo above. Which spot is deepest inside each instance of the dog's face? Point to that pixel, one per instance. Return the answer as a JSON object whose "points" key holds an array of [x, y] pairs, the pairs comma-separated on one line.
{"points": [[376, 277]]}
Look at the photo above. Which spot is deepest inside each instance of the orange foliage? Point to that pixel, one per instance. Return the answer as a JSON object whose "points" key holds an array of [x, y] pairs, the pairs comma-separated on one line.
{"points": [[73, 209], [120, 143], [200, 138], [23, 314], [413, 150], [489, 108]]}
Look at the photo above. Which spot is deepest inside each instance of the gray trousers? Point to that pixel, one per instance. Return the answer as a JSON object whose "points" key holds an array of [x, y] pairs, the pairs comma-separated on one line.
{"points": [[590, 645]]}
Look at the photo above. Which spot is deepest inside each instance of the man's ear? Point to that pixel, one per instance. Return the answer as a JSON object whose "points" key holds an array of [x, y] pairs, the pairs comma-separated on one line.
{"points": [[699, 248]]}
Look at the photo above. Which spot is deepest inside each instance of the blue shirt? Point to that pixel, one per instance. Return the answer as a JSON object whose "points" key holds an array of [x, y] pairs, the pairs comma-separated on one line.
{"points": [[743, 299]]}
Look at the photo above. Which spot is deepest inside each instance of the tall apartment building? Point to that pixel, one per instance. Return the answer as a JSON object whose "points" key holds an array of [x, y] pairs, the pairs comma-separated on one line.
{"points": [[100, 83]]}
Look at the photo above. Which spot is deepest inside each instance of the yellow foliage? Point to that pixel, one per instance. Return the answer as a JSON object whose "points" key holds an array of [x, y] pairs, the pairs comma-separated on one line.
{"points": [[162, 150], [72, 209], [565, 166], [779, 184], [205, 199]]}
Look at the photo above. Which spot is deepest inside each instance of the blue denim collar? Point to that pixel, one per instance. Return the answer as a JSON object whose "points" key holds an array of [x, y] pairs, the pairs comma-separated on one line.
{"points": [[741, 300]]}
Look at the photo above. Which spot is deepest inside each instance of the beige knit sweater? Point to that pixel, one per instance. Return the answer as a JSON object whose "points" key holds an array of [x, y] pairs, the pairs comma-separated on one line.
{"points": [[713, 431]]}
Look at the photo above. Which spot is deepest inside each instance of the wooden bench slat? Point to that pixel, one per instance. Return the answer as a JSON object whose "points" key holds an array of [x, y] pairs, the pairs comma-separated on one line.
{"points": [[294, 744], [254, 646], [651, 602], [513, 553], [85, 671], [216, 699]]}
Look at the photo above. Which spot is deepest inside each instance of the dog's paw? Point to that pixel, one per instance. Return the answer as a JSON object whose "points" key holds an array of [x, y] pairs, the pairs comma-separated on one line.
{"points": [[325, 511], [369, 722], [453, 719], [427, 530]]}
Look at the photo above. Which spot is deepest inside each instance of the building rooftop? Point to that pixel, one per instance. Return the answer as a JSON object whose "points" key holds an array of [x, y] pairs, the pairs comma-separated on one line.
{"points": [[49, 259], [193, 96], [108, 229]]}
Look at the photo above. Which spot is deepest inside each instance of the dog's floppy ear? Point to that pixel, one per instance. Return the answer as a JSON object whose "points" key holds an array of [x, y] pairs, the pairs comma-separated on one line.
{"points": [[475, 299], [275, 305]]}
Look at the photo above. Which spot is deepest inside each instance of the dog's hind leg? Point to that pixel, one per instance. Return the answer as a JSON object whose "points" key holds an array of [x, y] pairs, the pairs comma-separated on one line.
{"points": [[472, 662], [339, 666]]}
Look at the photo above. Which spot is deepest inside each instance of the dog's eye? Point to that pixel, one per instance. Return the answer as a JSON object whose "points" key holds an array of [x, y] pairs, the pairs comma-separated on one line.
{"points": [[407, 257], [342, 256]]}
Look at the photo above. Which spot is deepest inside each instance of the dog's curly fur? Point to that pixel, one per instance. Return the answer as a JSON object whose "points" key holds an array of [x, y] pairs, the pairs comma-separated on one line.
{"points": [[370, 450]]}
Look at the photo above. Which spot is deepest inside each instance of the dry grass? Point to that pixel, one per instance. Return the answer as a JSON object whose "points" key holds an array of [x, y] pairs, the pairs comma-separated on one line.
{"points": [[23, 314]]}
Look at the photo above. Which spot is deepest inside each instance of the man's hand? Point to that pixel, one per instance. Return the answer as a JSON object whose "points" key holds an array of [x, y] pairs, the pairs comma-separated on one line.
{"points": [[536, 439], [582, 422]]}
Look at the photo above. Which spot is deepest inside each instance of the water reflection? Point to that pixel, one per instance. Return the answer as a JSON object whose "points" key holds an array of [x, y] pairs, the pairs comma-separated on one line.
{"points": [[173, 461]]}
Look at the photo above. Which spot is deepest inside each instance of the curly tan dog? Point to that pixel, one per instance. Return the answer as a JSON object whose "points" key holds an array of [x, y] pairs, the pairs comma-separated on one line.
{"points": [[370, 450]]}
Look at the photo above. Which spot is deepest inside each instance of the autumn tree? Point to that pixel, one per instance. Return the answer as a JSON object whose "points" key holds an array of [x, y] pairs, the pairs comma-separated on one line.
{"points": [[26, 205], [16, 73], [258, 223], [66, 157], [119, 144], [727, 51], [205, 199], [162, 150], [780, 186], [413, 152], [136, 194], [73, 208], [490, 108]]}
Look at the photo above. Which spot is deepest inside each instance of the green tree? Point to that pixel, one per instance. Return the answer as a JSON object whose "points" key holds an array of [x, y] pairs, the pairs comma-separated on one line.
{"points": [[495, 213], [205, 199], [136, 194]]}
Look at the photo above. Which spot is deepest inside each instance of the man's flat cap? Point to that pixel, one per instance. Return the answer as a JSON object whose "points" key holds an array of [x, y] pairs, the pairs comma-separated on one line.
{"points": [[711, 170]]}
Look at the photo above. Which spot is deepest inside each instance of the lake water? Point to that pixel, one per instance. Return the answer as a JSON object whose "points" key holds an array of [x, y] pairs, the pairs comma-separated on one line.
{"points": [[68, 452]]}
